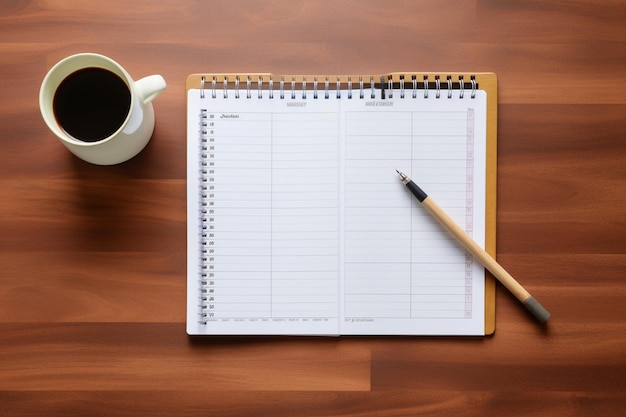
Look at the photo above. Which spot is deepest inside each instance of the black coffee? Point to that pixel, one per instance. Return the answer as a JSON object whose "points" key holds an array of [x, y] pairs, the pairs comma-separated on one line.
{"points": [[91, 104]]}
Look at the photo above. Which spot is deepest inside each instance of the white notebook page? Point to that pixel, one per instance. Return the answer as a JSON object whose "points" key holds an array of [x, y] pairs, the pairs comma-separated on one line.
{"points": [[311, 230]]}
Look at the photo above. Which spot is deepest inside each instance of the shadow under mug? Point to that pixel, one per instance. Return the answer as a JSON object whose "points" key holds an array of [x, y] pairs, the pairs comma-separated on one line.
{"points": [[96, 91]]}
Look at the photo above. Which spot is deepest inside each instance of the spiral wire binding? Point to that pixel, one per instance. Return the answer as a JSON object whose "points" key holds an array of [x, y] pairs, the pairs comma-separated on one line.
{"points": [[461, 87], [474, 86], [387, 87], [361, 93], [205, 261]]}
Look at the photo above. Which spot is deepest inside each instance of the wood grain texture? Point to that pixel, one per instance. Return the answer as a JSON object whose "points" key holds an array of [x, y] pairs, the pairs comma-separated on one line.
{"points": [[92, 259]]}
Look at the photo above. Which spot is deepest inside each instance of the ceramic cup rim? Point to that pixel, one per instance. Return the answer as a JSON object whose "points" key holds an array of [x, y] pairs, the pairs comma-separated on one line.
{"points": [[60, 71]]}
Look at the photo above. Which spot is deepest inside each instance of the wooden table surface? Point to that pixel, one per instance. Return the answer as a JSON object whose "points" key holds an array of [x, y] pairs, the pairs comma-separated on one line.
{"points": [[92, 259]]}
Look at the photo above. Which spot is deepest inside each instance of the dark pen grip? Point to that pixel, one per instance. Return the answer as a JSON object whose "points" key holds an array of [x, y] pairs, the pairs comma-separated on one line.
{"points": [[417, 191]]}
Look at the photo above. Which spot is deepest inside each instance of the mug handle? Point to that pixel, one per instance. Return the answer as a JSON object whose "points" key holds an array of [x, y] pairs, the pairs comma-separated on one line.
{"points": [[148, 88]]}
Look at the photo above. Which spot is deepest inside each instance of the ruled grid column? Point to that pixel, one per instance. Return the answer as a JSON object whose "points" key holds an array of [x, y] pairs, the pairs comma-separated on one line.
{"points": [[469, 204], [399, 262], [377, 215], [305, 252], [242, 201], [439, 263], [275, 205]]}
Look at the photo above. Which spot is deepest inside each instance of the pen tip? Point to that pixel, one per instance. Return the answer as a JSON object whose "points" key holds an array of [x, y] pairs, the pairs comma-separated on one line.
{"points": [[405, 180]]}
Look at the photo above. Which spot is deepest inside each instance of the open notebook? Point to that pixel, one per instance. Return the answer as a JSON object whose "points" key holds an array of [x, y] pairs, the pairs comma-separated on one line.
{"points": [[299, 224]]}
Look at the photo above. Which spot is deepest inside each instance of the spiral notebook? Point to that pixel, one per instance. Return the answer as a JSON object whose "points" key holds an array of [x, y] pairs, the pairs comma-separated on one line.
{"points": [[298, 223]]}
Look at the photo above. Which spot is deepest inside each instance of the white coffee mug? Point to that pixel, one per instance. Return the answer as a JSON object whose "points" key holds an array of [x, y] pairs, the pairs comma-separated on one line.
{"points": [[96, 109]]}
